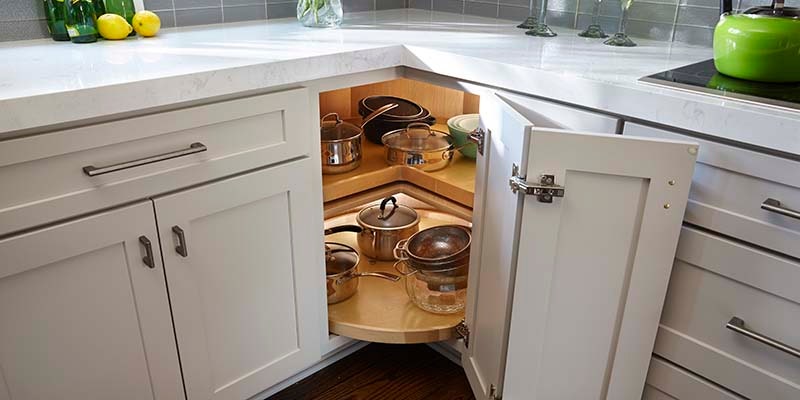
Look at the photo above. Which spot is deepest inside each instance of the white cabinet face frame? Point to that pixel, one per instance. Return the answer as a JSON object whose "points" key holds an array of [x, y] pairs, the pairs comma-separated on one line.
{"points": [[82, 316], [243, 259], [584, 275]]}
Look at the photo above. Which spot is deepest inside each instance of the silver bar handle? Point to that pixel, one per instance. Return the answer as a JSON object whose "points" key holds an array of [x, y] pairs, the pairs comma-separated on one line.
{"points": [[181, 247], [194, 148], [736, 324], [775, 206]]}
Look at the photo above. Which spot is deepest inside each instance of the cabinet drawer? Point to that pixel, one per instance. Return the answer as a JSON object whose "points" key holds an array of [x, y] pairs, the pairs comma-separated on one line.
{"points": [[729, 186], [715, 279], [139, 157], [666, 381]]}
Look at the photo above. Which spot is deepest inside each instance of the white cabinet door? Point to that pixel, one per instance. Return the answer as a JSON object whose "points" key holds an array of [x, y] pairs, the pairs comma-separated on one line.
{"points": [[584, 275], [245, 279], [82, 317]]}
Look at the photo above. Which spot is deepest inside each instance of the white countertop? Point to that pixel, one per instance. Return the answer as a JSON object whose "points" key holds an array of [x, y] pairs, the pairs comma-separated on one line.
{"points": [[44, 82]]}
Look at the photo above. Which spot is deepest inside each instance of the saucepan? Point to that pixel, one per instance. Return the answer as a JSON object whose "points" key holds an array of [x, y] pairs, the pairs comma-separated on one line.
{"points": [[341, 141], [341, 272]]}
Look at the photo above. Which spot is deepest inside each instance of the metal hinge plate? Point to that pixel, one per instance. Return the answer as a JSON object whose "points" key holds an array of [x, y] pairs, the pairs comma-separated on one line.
{"points": [[478, 136], [462, 330], [544, 191]]}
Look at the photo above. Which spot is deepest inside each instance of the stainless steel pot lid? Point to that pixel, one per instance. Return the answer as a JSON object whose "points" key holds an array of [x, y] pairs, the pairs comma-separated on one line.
{"points": [[339, 258], [382, 217], [333, 129], [418, 137], [405, 110]]}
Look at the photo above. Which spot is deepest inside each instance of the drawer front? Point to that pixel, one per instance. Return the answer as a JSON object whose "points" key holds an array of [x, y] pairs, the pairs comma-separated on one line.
{"points": [[728, 189], [143, 156], [666, 381], [715, 279]]}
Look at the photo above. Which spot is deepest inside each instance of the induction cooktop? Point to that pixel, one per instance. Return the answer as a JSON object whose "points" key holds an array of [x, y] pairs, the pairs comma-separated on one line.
{"points": [[703, 77]]}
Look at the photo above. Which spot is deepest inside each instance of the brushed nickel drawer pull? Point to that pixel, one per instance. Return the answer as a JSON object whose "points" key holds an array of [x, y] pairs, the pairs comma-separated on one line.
{"points": [[148, 251], [736, 324], [775, 206], [194, 148], [181, 247]]}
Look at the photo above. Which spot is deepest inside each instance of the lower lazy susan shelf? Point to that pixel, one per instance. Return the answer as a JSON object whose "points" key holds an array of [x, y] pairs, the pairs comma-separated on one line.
{"points": [[381, 311]]}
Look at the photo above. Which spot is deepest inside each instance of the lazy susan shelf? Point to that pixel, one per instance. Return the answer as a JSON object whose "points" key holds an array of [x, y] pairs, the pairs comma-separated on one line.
{"points": [[381, 311], [455, 182]]}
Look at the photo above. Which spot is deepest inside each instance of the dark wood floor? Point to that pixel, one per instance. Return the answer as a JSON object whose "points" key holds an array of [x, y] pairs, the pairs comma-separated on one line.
{"points": [[385, 372]]}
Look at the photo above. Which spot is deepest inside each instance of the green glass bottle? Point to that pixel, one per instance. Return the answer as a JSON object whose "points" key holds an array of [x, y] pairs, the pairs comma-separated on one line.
{"points": [[123, 8], [81, 21], [99, 7], [54, 10]]}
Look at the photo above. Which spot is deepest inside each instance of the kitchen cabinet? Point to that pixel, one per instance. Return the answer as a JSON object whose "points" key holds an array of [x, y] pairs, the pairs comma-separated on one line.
{"points": [[245, 277], [83, 315], [585, 274]]}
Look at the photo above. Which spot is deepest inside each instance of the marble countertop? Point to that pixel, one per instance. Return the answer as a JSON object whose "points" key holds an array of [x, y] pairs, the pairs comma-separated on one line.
{"points": [[47, 83]]}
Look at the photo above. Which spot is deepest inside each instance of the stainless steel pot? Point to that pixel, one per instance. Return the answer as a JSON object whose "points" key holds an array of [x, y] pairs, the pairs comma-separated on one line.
{"points": [[420, 147], [379, 230], [341, 272], [436, 248], [341, 141]]}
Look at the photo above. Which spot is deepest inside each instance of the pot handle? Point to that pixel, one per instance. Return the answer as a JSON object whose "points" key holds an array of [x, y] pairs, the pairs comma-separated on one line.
{"points": [[343, 228], [377, 113], [382, 275], [333, 114], [383, 208], [415, 125], [404, 271], [400, 249]]}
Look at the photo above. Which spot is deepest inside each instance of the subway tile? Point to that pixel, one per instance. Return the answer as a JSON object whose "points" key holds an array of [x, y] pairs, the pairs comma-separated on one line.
{"points": [[513, 13], [562, 5], [521, 3], [652, 12], [389, 4], [167, 18], [187, 4], [649, 30], [609, 24], [481, 9], [453, 6], [607, 8], [157, 5], [198, 16], [23, 30], [560, 18], [227, 3], [358, 5], [21, 10], [698, 16], [694, 35], [420, 4], [281, 10], [252, 12], [705, 3]]}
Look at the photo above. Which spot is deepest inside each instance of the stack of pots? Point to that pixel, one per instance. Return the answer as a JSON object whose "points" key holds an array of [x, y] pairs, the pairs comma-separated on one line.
{"points": [[435, 265], [405, 113]]}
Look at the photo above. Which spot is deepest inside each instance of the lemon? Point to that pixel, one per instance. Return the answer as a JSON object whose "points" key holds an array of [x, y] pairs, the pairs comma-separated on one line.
{"points": [[146, 23], [113, 26]]}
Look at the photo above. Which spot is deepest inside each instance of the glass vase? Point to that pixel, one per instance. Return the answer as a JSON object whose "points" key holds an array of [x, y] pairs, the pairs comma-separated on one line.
{"points": [[541, 28], [529, 22], [594, 30], [621, 38], [320, 13]]}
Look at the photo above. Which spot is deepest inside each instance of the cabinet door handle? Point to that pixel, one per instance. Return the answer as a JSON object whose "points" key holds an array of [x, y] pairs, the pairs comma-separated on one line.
{"points": [[148, 251], [196, 147], [775, 206], [736, 324], [181, 247]]}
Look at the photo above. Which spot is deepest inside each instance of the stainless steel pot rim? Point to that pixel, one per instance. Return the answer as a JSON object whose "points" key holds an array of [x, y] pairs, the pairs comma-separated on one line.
{"points": [[349, 270], [355, 130], [389, 136], [423, 271], [448, 258]]}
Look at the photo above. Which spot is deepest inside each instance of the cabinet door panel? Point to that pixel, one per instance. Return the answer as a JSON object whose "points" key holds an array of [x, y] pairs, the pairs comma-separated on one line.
{"points": [[589, 271], [81, 315], [244, 296]]}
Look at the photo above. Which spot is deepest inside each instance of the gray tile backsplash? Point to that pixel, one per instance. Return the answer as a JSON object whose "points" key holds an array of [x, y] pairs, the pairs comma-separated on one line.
{"points": [[689, 21]]}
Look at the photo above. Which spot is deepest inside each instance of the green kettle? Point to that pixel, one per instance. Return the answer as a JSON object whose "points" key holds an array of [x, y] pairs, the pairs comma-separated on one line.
{"points": [[761, 44]]}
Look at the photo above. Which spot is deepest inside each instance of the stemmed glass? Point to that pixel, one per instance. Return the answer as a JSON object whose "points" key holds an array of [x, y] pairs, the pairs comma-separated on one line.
{"points": [[541, 28], [620, 38], [529, 22], [594, 30]]}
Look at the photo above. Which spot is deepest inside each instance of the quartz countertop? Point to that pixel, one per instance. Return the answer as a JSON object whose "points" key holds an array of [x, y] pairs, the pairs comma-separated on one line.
{"points": [[45, 83]]}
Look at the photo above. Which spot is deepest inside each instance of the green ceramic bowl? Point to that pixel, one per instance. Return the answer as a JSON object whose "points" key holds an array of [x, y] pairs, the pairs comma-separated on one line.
{"points": [[460, 127], [758, 47]]}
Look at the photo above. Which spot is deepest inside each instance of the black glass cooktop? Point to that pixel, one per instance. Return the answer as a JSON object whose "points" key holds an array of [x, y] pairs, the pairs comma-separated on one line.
{"points": [[703, 77]]}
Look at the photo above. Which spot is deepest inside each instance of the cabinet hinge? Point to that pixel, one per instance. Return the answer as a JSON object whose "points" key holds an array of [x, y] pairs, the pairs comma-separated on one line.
{"points": [[462, 330], [493, 393], [544, 191], [478, 136]]}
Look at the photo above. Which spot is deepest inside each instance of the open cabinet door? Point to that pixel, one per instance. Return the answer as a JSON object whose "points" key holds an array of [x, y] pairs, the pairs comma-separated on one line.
{"points": [[585, 274]]}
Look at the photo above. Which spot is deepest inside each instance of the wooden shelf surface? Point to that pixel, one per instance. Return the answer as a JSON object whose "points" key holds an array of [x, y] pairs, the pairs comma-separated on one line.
{"points": [[455, 182], [381, 311]]}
